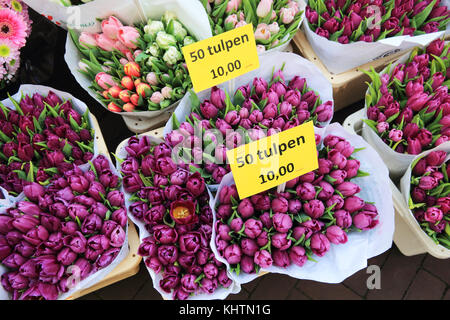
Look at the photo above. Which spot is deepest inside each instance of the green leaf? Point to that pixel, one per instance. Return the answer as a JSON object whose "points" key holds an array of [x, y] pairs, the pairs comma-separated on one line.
{"points": [[175, 122], [30, 175], [420, 18]]}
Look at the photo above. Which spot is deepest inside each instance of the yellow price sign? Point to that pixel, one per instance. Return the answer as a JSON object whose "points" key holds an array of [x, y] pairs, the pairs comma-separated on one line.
{"points": [[218, 59], [269, 162]]}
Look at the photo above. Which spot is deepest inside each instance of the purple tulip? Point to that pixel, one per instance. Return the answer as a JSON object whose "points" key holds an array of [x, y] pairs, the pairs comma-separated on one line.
{"points": [[232, 254], [91, 224], [33, 191], [107, 258], [314, 208], [281, 258], [253, 228], [208, 286], [188, 283], [218, 97], [282, 222], [336, 235], [195, 184], [167, 254], [117, 237], [226, 193], [428, 183], [306, 191], [353, 204], [116, 198], [210, 271], [223, 278], [22, 224], [77, 211], [365, 220], [319, 244], [14, 261], [208, 110], [36, 236], [263, 259], [294, 206], [165, 235], [190, 242], [69, 227], [247, 264], [298, 256], [78, 183], [249, 247], [154, 264], [28, 208], [281, 241], [66, 256]]}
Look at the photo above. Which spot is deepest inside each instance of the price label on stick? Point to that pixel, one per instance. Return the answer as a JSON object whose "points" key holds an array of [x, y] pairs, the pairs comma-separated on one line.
{"points": [[274, 160], [218, 59]]}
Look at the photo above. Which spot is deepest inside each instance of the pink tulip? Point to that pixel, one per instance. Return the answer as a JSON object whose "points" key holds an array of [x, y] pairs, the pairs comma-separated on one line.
{"points": [[111, 26], [87, 38], [104, 42], [264, 7], [262, 32], [287, 15], [104, 80], [128, 36]]}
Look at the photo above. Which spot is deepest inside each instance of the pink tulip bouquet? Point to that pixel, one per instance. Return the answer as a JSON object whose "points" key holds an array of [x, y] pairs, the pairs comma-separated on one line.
{"points": [[136, 68], [60, 235], [15, 27], [287, 228], [408, 106], [370, 21], [428, 195], [172, 206], [257, 109], [274, 22], [42, 138]]}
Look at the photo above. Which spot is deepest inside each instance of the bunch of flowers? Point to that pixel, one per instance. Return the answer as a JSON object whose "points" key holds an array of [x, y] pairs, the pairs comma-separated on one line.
{"points": [[429, 200], [275, 22], [136, 68], [40, 140], [368, 20], [15, 27], [62, 233], [285, 228], [258, 109], [409, 106], [174, 206]]}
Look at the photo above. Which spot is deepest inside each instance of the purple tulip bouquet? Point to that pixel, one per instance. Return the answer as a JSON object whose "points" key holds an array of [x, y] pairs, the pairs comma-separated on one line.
{"points": [[42, 137], [358, 32], [370, 21], [281, 231], [171, 206], [256, 110], [408, 105], [426, 187], [64, 237]]}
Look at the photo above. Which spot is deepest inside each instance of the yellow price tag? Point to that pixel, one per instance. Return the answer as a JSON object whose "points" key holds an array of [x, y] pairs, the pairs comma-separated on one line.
{"points": [[221, 58], [274, 160]]}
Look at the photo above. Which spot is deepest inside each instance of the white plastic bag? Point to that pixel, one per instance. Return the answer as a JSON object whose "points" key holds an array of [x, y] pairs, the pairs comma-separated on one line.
{"points": [[190, 12], [93, 278], [339, 58], [220, 293], [343, 260], [405, 186], [84, 17]]}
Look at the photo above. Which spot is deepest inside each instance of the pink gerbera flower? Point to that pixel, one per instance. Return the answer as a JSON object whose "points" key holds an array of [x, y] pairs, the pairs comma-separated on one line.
{"points": [[12, 27]]}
